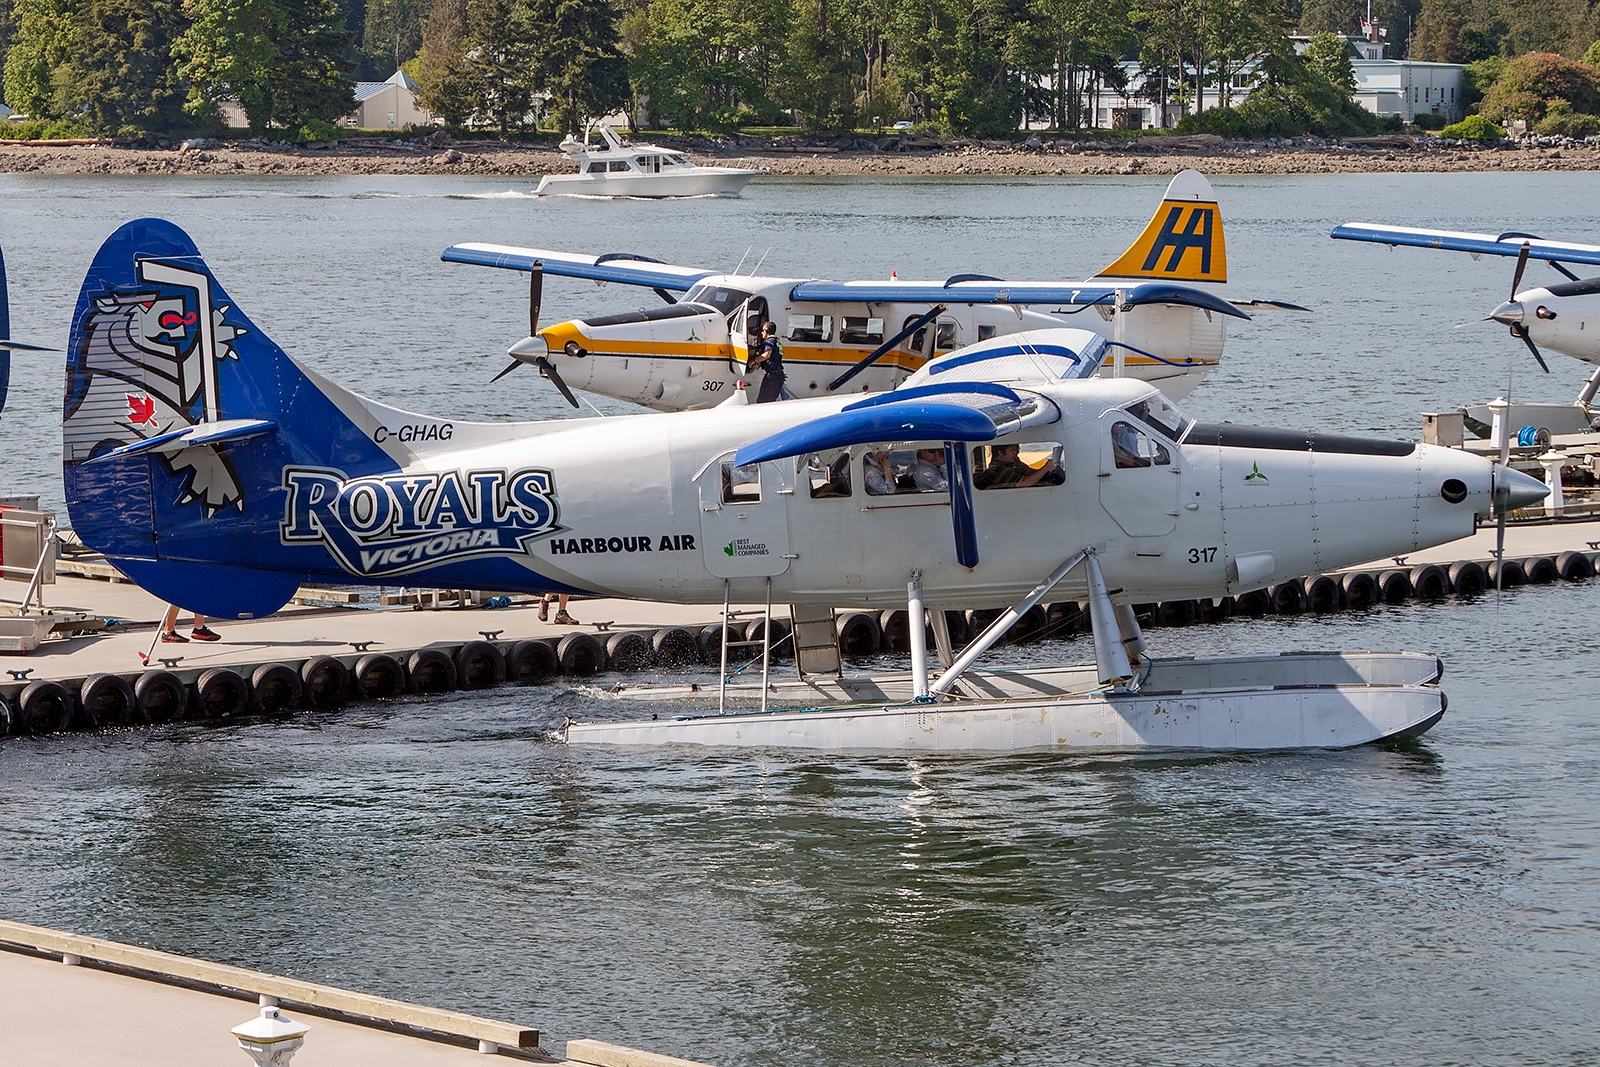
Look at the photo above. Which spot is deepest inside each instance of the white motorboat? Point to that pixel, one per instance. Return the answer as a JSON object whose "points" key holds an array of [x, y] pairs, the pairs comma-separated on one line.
{"points": [[615, 167]]}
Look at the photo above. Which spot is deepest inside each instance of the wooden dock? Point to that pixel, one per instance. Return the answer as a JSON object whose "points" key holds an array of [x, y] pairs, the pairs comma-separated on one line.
{"points": [[67, 1000]]}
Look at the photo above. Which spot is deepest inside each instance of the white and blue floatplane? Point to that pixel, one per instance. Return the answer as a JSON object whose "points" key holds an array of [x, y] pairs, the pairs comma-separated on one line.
{"points": [[220, 474]]}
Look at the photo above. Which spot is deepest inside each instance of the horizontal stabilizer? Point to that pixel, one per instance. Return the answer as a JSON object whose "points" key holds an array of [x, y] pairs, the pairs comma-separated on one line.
{"points": [[906, 420], [19, 346], [206, 433], [1075, 294], [1268, 305], [1487, 244], [622, 268]]}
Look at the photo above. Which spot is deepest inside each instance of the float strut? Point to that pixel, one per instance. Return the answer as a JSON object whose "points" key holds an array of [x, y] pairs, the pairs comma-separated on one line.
{"points": [[941, 638], [766, 647], [1132, 636], [1109, 654], [727, 602], [997, 629], [915, 626]]}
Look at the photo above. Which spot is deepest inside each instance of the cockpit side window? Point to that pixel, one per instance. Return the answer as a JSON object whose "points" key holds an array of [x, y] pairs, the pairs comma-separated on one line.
{"points": [[1162, 415], [720, 297], [1132, 447]]}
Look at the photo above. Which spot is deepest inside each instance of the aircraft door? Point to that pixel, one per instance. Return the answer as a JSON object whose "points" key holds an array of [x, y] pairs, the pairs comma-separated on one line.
{"points": [[744, 517], [1140, 476]]}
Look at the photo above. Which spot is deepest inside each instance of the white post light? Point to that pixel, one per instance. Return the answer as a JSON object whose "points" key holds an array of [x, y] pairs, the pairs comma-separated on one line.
{"points": [[1552, 463], [270, 1039], [1500, 427]]}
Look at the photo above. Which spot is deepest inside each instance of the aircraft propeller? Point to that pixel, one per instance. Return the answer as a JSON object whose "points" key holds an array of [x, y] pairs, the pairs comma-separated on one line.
{"points": [[532, 348], [1511, 312]]}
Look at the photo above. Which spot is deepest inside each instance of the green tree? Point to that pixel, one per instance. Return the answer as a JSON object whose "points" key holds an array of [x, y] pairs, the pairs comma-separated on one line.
{"points": [[121, 70], [227, 52], [1531, 83], [1437, 37], [501, 43], [309, 77], [43, 34], [577, 61], [1329, 56], [443, 75], [700, 64], [1591, 57], [391, 33]]}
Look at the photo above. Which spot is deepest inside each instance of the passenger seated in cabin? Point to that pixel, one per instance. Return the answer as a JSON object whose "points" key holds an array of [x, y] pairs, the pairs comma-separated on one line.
{"points": [[1125, 446], [929, 473], [1006, 470], [880, 474]]}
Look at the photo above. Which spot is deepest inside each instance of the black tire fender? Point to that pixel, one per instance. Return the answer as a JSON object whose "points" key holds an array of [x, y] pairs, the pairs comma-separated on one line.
{"points": [[1468, 578], [1360, 589], [1323, 594], [44, 707], [1574, 566], [275, 687], [628, 651], [531, 662], [107, 700], [673, 646], [860, 634], [379, 676], [580, 655], [326, 682], [480, 665], [161, 696], [220, 692], [1394, 587], [1431, 581], [431, 671]]}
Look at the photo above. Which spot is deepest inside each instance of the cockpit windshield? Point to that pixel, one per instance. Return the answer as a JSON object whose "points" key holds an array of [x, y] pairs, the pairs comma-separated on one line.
{"points": [[1161, 414], [717, 296]]}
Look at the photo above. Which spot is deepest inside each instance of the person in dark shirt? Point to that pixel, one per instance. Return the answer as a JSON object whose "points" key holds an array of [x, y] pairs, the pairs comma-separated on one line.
{"points": [[770, 360], [1007, 471]]}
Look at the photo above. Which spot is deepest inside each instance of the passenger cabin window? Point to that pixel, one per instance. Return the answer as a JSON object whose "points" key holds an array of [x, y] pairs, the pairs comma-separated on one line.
{"points": [[814, 328], [891, 473], [947, 337], [985, 332], [741, 485], [1131, 447], [619, 164], [857, 330], [919, 339], [827, 479], [1017, 465]]}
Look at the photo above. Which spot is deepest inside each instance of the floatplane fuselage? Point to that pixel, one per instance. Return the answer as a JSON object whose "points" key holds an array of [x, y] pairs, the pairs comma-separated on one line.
{"points": [[1163, 299], [220, 474]]}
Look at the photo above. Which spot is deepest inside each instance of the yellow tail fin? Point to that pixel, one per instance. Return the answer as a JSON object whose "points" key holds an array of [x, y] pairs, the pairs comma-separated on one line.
{"points": [[1183, 240]]}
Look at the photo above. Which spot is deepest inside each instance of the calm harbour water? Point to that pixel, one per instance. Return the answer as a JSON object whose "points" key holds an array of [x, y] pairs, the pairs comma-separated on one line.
{"points": [[1433, 904]]}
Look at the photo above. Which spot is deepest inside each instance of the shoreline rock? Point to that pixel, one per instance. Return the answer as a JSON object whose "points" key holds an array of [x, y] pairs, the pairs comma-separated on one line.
{"points": [[899, 156]]}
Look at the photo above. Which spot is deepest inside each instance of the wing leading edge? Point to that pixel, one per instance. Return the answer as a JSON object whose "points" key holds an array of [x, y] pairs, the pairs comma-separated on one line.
{"points": [[1507, 244], [621, 267], [1003, 292]]}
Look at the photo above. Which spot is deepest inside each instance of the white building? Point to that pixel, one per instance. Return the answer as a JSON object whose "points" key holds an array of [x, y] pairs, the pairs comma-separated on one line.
{"points": [[387, 105], [1383, 86]]}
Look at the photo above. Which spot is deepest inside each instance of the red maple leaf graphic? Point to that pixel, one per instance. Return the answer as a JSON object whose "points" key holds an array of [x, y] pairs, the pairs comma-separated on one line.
{"points": [[141, 409]]}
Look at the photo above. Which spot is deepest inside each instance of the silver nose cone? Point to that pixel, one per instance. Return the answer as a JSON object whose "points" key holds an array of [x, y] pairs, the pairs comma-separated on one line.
{"points": [[529, 349], [1507, 314], [1519, 490]]}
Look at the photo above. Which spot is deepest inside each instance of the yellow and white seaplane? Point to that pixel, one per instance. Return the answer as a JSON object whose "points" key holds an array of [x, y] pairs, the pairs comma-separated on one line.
{"points": [[1163, 302]]}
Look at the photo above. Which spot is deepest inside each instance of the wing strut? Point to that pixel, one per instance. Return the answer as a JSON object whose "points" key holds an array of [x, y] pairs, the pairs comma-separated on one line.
{"points": [[883, 349]]}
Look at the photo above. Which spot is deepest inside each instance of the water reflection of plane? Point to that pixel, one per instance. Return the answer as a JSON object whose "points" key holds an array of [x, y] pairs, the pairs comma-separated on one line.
{"points": [[1164, 298]]}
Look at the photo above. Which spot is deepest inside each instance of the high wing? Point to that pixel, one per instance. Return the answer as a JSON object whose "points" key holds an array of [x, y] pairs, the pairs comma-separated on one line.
{"points": [[966, 290], [623, 267], [955, 413], [1505, 244]]}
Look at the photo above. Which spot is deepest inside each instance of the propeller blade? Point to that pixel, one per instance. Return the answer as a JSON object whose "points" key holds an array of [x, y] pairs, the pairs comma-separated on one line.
{"points": [[535, 296], [514, 365], [548, 369], [1522, 263], [1499, 496], [1521, 332]]}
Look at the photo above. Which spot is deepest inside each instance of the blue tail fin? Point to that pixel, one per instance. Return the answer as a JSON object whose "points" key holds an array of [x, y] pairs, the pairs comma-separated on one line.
{"points": [[159, 354], [219, 474]]}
